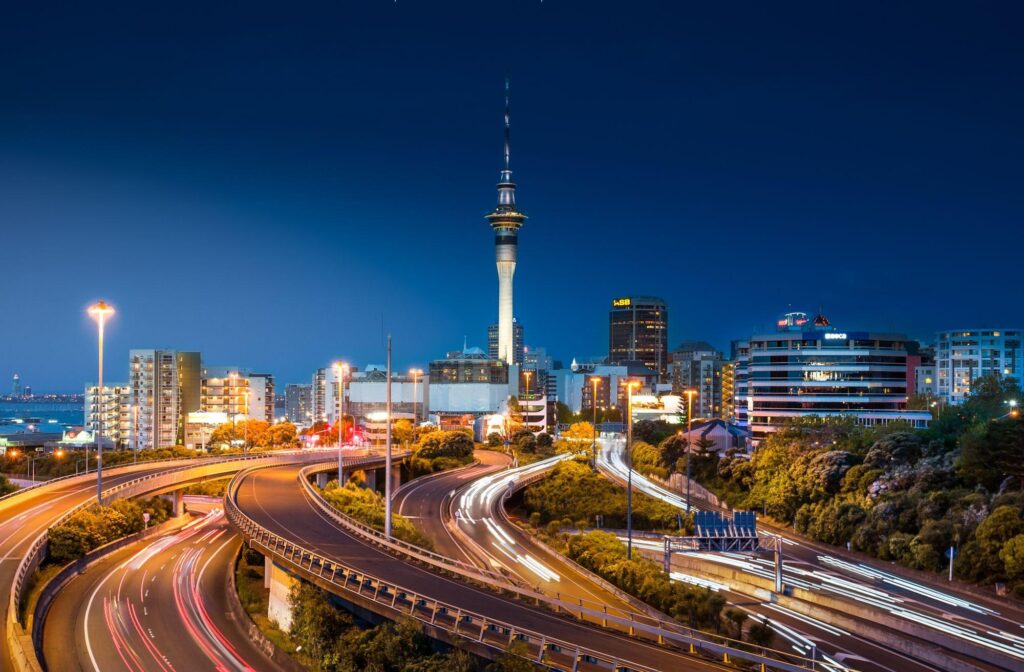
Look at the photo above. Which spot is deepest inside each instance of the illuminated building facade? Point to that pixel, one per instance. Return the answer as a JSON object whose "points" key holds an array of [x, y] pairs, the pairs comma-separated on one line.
{"points": [[165, 387], [964, 355], [518, 349], [114, 406], [638, 332], [696, 365], [815, 370], [739, 357]]}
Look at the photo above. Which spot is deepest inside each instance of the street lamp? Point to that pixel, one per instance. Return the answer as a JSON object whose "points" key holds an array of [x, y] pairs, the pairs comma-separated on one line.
{"points": [[689, 439], [595, 381], [415, 373], [527, 374], [341, 368], [387, 451], [629, 464], [100, 312]]}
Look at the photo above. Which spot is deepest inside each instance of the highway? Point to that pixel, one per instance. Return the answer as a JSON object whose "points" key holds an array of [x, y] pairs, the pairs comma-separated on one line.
{"points": [[276, 500], [488, 539], [26, 516], [478, 495], [159, 605], [995, 626]]}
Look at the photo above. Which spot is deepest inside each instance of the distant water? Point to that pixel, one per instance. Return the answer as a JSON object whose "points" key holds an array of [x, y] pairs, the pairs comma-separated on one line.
{"points": [[61, 415]]}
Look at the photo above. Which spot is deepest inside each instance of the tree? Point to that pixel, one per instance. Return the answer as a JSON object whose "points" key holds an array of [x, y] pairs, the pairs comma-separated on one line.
{"points": [[579, 436], [6, 487], [760, 634], [737, 618], [1012, 556], [402, 432], [992, 451], [316, 624], [652, 431], [494, 440]]}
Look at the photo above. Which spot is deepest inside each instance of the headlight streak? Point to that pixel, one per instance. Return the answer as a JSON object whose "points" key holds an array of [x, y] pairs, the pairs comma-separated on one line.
{"points": [[484, 494], [859, 592]]}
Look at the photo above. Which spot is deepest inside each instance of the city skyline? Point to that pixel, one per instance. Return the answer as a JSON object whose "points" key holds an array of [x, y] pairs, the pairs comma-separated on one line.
{"points": [[171, 170]]}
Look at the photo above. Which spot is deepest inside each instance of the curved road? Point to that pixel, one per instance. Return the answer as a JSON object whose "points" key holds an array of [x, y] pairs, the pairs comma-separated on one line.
{"points": [[160, 606], [477, 495], [274, 498], [996, 626]]}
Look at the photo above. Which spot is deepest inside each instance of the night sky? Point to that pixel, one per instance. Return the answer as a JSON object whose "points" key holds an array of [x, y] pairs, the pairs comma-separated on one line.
{"points": [[271, 184]]}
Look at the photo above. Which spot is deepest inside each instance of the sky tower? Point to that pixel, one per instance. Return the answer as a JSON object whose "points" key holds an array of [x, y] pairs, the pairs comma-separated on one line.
{"points": [[505, 220]]}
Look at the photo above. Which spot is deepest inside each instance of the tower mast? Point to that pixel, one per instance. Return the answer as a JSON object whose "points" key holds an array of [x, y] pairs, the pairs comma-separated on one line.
{"points": [[505, 221]]}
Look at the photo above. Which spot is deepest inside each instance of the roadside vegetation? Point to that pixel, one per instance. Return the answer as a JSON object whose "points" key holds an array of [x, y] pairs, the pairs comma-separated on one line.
{"points": [[367, 507], [96, 526], [572, 495], [895, 493], [434, 450], [603, 554], [325, 638]]}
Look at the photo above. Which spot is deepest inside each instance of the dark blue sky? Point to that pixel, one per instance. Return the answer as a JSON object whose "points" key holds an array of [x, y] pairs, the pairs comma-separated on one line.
{"points": [[264, 184]]}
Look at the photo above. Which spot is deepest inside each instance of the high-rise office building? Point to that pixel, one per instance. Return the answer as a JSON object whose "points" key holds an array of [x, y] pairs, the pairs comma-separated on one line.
{"points": [[964, 355], [739, 357], [16, 386], [518, 349], [638, 332], [505, 221], [697, 365], [298, 404], [812, 369], [159, 401]]}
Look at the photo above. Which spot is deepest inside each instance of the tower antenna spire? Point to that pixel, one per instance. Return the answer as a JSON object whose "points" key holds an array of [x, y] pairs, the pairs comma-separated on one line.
{"points": [[508, 130]]}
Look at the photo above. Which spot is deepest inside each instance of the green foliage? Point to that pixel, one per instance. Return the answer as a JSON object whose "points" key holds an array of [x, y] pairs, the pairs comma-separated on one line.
{"points": [[457, 445], [603, 554], [573, 491], [495, 440], [893, 492], [653, 431], [647, 460], [1012, 555], [367, 507], [95, 526], [6, 487]]}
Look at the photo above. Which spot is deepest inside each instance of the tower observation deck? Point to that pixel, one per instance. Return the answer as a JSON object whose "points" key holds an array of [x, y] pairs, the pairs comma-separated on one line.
{"points": [[506, 220]]}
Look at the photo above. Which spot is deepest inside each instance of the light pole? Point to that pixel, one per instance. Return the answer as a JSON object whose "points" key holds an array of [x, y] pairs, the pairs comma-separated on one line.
{"points": [[595, 381], [100, 311], [234, 409], [415, 373], [689, 439], [387, 453], [342, 369], [629, 464], [527, 374]]}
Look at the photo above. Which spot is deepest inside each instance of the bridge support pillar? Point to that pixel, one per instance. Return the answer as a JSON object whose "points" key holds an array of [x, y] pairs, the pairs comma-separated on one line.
{"points": [[321, 479], [278, 608], [177, 504], [396, 476], [371, 478]]}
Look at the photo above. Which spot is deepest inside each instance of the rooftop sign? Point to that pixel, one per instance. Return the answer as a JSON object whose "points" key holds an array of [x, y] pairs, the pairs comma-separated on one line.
{"points": [[621, 303]]}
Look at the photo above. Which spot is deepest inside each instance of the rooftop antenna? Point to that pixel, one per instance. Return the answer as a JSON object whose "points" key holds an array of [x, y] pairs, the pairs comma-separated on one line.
{"points": [[508, 130]]}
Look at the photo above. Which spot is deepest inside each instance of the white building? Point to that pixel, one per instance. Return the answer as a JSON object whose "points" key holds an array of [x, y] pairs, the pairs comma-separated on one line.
{"points": [[165, 384], [964, 355], [114, 408], [367, 393], [468, 382], [575, 389], [227, 389], [261, 397], [319, 395], [199, 426]]}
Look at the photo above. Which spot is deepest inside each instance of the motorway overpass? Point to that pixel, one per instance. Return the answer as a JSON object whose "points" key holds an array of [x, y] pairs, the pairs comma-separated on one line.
{"points": [[275, 509]]}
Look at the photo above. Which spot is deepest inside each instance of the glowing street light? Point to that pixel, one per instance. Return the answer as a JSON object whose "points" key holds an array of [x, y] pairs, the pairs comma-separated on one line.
{"points": [[629, 465], [595, 381], [100, 312], [689, 439], [341, 368]]}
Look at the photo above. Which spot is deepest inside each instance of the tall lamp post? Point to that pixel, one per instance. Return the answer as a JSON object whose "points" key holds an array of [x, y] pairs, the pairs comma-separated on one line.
{"points": [[415, 373], [689, 444], [342, 369], [595, 381], [387, 453], [100, 311], [527, 374], [629, 464]]}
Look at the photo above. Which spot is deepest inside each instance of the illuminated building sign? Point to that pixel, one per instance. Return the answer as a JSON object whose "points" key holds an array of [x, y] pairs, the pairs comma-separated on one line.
{"points": [[621, 303], [835, 336]]}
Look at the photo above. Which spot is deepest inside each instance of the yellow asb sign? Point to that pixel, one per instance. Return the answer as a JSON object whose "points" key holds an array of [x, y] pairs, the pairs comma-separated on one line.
{"points": [[621, 303]]}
